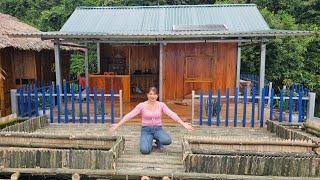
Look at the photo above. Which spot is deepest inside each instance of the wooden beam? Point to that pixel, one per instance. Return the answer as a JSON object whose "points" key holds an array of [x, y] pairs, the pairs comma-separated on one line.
{"points": [[98, 58], [161, 72], [238, 65], [262, 71], [86, 65], [57, 63]]}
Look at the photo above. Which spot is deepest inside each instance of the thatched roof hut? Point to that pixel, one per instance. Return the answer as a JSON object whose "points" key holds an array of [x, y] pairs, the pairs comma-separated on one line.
{"points": [[10, 25], [25, 60]]}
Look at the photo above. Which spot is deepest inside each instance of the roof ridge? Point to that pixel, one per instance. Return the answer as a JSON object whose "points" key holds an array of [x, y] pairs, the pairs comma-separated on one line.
{"points": [[164, 6]]}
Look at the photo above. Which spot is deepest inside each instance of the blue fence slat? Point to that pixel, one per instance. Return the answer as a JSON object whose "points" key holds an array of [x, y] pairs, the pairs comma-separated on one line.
{"points": [[209, 105], [271, 104], [51, 103], [21, 103], [218, 108], [262, 107], [281, 105], [58, 103], [244, 115], [235, 107], [95, 105], [36, 102], [200, 108], [72, 104], [43, 100], [102, 106], [29, 101], [88, 103], [253, 99], [300, 107], [227, 107], [112, 106], [80, 104], [290, 105], [66, 117]]}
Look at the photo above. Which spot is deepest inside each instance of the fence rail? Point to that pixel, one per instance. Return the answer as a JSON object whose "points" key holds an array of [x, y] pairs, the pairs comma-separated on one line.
{"points": [[62, 106], [300, 103]]}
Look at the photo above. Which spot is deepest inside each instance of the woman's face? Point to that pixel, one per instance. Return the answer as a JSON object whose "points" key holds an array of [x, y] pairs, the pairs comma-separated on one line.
{"points": [[152, 96]]}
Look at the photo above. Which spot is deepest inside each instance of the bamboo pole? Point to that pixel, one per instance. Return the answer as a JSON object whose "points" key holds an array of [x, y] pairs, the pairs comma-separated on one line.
{"points": [[75, 176], [15, 176]]}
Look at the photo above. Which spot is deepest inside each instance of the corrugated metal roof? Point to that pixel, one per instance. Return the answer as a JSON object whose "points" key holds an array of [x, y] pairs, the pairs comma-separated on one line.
{"points": [[159, 20]]}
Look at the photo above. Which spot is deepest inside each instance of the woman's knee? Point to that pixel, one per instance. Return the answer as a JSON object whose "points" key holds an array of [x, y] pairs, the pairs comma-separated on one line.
{"points": [[166, 141], [145, 150]]}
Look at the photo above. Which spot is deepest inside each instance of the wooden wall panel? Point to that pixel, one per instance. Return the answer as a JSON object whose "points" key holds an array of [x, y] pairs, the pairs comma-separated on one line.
{"points": [[9, 81], [213, 66]]}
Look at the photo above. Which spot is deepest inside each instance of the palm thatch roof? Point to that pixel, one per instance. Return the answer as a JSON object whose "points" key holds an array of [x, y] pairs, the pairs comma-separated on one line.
{"points": [[10, 24]]}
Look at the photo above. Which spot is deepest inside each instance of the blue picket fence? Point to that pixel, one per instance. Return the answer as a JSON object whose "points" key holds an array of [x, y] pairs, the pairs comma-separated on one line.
{"points": [[286, 105], [34, 100]]}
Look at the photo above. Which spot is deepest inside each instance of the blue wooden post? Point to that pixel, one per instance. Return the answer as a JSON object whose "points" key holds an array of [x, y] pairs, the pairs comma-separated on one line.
{"points": [[72, 104], [36, 105], [112, 107], [95, 105], [281, 105], [227, 107], [253, 106], [244, 116], [21, 103], [29, 101], [262, 107], [88, 103], [51, 104], [66, 117], [218, 108], [235, 108], [43, 97], [102, 106], [300, 107], [271, 104], [290, 105], [200, 108], [58, 103], [80, 104], [209, 105]]}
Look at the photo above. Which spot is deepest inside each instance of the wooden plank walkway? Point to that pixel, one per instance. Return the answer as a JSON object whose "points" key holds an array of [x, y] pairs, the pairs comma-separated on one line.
{"points": [[169, 161]]}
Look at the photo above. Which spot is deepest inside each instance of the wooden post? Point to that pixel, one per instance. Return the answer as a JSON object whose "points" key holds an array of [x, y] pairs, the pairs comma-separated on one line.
{"points": [[14, 101], [192, 107], [238, 65], [161, 72], [86, 65], [262, 71], [311, 105], [98, 58], [57, 62]]}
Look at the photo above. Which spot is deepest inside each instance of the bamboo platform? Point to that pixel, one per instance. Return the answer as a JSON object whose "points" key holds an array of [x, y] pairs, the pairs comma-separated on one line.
{"points": [[131, 164]]}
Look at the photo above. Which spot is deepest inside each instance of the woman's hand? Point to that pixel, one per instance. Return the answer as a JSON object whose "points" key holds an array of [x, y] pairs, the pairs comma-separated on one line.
{"points": [[113, 128], [187, 126]]}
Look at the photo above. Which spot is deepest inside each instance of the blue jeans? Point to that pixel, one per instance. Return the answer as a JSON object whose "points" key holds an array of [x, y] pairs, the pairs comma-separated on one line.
{"points": [[148, 133]]}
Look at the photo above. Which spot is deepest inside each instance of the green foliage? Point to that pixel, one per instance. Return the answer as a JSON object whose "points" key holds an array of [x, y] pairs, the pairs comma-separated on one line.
{"points": [[77, 62]]}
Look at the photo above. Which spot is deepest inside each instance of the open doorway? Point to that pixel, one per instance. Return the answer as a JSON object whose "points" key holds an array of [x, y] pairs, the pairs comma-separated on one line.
{"points": [[139, 62]]}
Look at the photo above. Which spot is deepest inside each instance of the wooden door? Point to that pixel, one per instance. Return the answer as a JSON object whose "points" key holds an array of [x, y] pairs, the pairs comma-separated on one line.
{"points": [[198, 73]]}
